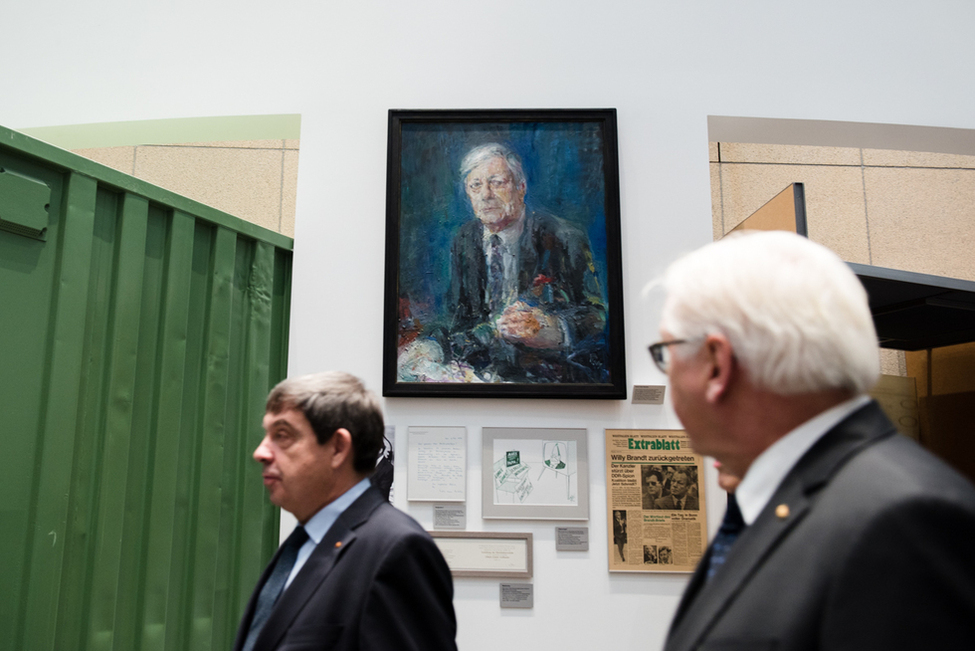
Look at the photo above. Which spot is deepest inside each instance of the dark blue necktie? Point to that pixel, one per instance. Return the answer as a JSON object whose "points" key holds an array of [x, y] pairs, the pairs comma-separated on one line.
{"points": [[275, 584], [732, 525], [495, 274]]}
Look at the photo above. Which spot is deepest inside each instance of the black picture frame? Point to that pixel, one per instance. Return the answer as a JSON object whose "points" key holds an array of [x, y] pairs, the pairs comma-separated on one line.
{"points": [[439, 338]]}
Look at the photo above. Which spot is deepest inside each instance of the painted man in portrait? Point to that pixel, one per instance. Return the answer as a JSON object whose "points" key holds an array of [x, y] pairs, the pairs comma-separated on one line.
{"points": [[524, 303]]}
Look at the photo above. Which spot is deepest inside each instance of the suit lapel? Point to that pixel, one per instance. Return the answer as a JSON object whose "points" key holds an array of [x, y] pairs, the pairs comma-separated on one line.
{"points": [[701, 606], [527, 256], [327, 554], [693, 587], [477, 266]]}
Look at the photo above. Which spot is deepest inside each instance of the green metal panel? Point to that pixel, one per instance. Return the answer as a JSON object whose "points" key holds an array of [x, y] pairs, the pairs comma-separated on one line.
{"points": [[137, 345]]}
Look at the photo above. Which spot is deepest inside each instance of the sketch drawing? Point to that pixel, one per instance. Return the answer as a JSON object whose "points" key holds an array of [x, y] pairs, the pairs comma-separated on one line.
{"points": [[511, 476], [552, 464]]}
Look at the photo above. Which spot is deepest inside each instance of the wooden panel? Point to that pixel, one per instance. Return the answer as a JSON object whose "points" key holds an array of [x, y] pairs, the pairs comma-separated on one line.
{"points": [[947, 426], [784, 212], [946, 389], [897, 396]]}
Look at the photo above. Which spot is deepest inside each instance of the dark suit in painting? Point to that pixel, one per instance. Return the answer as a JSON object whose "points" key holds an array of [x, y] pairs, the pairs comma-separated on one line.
{"points": [[375, 581], [873, 549], [555, 273]]}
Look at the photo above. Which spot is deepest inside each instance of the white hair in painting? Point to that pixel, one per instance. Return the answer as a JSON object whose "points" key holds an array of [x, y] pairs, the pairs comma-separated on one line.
{"points": [[484, 153]]}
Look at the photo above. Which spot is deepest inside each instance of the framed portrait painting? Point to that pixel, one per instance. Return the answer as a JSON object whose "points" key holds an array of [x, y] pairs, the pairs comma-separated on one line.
{"points": [[503, 269]]}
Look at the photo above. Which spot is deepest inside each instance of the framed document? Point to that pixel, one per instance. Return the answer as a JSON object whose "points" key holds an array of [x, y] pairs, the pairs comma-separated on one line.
{"points": [[655, 506], [486, 554], [437, 468], [534, 473]]}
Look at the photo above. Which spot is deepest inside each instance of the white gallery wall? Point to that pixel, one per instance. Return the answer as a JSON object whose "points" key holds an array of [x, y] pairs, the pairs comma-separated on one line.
{"points": [[664, 65]]}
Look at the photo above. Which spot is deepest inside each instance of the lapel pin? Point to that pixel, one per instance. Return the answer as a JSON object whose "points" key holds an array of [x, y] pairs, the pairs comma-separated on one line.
{"points": [[782, 511], [339, 543]]}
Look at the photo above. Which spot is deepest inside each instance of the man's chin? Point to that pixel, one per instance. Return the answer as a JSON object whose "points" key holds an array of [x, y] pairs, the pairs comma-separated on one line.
{"points": [[275, 497], [490, 216]]}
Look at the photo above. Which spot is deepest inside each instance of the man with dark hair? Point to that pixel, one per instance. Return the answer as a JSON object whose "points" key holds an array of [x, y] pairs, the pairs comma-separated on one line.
{"points": [[653, 484], [356, 573]]}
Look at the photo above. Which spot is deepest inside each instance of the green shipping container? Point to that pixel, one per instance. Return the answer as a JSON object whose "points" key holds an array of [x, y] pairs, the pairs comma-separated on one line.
{"points": [[140, 332]]}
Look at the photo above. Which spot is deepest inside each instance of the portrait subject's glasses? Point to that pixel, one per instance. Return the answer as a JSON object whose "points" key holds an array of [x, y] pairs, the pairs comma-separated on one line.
{"points": [[660, 352]]}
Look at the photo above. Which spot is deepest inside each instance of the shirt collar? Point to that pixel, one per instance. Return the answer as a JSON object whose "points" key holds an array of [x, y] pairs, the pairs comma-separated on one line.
{"points": [[771, 466], [319, 524], [509, 236]]}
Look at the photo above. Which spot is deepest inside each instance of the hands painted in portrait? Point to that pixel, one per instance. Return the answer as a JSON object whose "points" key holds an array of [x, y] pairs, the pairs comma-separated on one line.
{"points": [[530, 326]]}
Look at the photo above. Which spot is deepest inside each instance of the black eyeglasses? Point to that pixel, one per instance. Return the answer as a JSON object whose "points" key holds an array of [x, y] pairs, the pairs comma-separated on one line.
{"points": [[661, 355]]}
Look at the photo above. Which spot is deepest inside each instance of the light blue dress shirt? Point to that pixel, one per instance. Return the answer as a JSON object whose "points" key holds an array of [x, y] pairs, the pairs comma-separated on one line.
{"points": [[319, 524]]}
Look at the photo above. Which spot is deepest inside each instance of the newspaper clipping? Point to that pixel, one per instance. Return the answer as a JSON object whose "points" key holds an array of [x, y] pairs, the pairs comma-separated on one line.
{"points": [[656, 506]]}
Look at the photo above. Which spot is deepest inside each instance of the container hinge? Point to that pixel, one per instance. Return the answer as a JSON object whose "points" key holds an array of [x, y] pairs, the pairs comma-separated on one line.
{"points": [[24, 205]]}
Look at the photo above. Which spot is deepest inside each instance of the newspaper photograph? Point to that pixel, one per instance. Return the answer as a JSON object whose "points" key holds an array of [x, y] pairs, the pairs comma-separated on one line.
{"points": [[655, 501]]}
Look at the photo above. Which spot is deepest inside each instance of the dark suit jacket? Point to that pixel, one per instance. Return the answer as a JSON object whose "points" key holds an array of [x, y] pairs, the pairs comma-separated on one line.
{"points": [[555, 273], [668, 502], [876, 552], [649, 501], [385, 587]]}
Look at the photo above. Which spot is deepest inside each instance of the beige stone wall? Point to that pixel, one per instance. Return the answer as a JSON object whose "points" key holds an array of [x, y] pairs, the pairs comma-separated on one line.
{"points": [[904, 210], [255, 180], [907, 210]]}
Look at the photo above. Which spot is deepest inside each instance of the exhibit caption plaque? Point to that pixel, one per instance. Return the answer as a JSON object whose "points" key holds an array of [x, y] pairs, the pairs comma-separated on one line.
{"points": [[486, 554], [655, 501]]}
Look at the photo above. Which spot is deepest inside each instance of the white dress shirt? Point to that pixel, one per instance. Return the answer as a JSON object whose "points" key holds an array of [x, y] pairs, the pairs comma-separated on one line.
{"points": [[770, 468]]}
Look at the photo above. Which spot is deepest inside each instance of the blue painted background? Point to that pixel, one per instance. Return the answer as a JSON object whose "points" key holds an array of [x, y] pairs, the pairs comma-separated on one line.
{"points": [[563, 163]]}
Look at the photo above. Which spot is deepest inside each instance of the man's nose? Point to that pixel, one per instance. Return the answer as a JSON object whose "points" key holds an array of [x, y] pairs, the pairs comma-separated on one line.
{"points": [[263, 452]]}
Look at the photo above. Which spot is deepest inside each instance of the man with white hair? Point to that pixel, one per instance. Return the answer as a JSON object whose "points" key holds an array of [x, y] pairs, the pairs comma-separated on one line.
{"points": [[854, 537]]}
